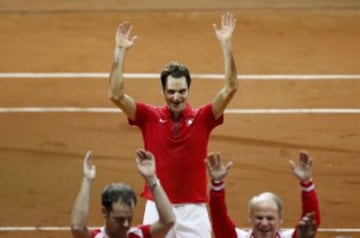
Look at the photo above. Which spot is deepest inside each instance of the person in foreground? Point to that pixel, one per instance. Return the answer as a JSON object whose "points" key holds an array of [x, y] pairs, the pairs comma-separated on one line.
{"points": [[118, 204], [265, 209], [176, 133]]}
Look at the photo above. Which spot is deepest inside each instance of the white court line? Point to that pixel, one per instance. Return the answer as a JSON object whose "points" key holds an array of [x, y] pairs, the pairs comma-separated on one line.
{"points": [[64, 228], [199, 76], [228, 111]]}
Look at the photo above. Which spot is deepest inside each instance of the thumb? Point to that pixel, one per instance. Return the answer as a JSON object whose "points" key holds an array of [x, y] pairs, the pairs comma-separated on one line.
{"points": [[228, 165], [133, 38], [292, 164]]}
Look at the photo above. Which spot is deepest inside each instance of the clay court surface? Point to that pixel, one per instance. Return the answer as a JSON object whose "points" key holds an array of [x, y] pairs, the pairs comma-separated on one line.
{"points": [[41, 153]]}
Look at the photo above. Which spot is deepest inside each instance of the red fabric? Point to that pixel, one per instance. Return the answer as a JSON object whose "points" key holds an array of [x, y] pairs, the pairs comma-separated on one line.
{"points": [[222, 224], [310, 203], [140, 231], [179, 156]]}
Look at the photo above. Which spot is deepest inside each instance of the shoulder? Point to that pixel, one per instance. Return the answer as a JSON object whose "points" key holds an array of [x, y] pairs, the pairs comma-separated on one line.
{"points": [[98, 233], [204, 109], [141, 231], [148, 109]]}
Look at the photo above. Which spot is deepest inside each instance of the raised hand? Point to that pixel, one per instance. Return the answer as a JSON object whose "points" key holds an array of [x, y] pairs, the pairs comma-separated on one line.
{"points": [[217, 170], [145, 163], [228, 23], [88, 167], [123, 38], [307, 227], [303, 171]]}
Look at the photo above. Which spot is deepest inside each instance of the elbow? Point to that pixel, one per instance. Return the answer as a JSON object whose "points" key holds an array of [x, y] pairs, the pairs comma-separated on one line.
{"points": [[169, 221], [235, 88], [235, 84], [76, 230], [169, 224], [115, 96], [231, 91]]}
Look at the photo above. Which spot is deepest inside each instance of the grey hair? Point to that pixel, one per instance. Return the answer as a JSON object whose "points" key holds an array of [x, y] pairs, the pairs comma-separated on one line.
{"points": [[266, 196]]}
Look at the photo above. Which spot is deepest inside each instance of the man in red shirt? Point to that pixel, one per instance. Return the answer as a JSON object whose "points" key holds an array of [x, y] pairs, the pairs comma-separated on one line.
{"points": [[118, 204], [265, 209], [176, 133]]}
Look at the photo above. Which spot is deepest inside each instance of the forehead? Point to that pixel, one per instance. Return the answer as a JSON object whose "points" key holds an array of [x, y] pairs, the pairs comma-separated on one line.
{"points": [[176, 83], [122, 210], [265, 208]]}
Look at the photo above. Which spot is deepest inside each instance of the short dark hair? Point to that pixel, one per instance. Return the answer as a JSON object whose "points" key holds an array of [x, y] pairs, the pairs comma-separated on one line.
{"points": [[176, 70], [115, 192]]}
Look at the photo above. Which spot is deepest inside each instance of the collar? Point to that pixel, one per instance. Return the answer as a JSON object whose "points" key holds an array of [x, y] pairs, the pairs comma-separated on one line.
{"points": [[187, 113], [277, 234]]}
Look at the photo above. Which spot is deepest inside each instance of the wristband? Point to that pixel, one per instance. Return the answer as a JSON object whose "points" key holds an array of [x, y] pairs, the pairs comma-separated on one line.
{"points": [[217, 185], [307, 187]]}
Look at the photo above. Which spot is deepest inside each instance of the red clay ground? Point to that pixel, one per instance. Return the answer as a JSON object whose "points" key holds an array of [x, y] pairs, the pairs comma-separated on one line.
{"points": [[41, 153]]}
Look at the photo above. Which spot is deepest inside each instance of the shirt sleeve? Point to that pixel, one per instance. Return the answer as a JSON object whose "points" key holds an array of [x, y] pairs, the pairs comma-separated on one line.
{"points": [[222, 225], [309, 202], [207, 112], [144, 112]]}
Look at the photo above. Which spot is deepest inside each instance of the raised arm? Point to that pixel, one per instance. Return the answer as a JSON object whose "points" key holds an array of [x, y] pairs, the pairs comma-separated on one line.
{"points": [[146, 167], [306, 226], [80, 211], [224, 35], [222, 224], [124, 41], [310, 204]]}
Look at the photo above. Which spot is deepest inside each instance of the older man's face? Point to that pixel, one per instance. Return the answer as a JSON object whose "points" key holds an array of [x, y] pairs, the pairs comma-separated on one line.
{"points": [[265, 219]]}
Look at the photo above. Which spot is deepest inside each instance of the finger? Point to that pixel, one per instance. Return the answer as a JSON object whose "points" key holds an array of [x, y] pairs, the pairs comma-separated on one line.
{"points": [[304, 156], [292, 164], [148, 155], [140, 153], [211, 158], [133, 38], [125, 27], [215, 27], [121, 28], [217, 159], [223, 20], [233, 21], [228, 18], [228, 166], [88, 159], [129, 30]]}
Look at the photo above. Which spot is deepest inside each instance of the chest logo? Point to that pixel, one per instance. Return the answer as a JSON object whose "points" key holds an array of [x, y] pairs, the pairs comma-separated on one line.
{"points": [[162, 120], [189, 122]]}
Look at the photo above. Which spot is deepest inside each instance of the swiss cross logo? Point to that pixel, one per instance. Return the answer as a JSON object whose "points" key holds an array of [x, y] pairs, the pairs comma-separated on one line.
{"points": [[189, 122]]}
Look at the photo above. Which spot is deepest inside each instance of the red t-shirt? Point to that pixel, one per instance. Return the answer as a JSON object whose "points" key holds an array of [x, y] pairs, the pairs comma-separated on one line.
{"points": [[141, 231], [179, 148]]}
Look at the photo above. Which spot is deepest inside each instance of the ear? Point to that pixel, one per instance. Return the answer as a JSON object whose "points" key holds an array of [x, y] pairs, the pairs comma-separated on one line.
{"points": [[104, 211], [249, 218]]}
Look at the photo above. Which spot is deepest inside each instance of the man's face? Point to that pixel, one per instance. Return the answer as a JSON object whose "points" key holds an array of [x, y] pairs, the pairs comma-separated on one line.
{"points": [[119, 220], [265, 219], [175, 94]]}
